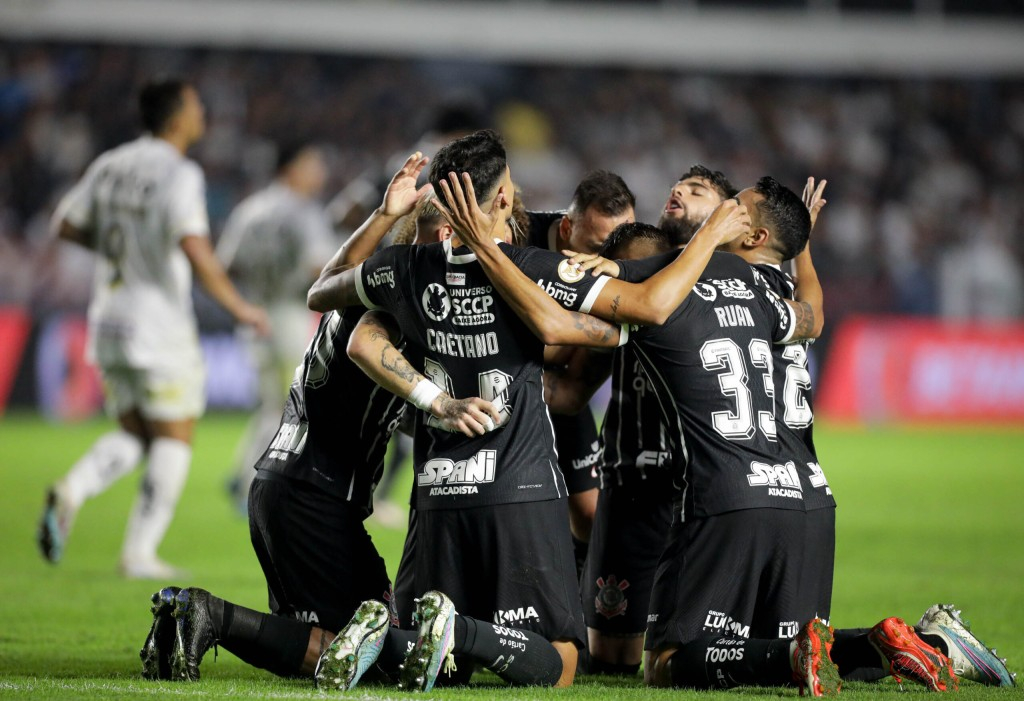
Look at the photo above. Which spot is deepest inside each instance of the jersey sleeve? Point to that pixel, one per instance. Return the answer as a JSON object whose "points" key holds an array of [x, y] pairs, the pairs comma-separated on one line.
{"points": [[377, 279], [781, 314], [77, 207], [642, 268], [574, 290], [186, 204]]}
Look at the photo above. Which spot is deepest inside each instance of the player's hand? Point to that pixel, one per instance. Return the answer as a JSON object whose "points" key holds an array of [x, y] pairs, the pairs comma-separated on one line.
{"points": [[728, 222], [402, 194], [472, 416], [592, 262], [256, 317], [473, 226], [813, 199]]}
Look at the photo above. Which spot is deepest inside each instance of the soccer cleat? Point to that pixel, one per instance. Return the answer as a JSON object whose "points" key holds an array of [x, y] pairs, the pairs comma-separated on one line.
{"points": [[55, 524], [355, 648], [194, 633], [905, 655], [970, 658], [813, 669], [156, 651], [435, 616]]}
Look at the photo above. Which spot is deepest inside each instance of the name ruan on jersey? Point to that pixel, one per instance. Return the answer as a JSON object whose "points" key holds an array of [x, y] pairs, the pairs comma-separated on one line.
{"points": [[458, 477]]}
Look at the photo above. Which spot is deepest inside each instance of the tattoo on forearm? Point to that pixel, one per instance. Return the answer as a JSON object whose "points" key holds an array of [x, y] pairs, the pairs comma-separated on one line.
{"points": [[615, 306], [396, 364], [804, 313], [596, 330]]}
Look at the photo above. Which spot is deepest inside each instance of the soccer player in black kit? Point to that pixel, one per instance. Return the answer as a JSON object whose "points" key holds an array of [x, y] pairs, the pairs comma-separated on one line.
{"points": [[469, 491], [307, 505]]}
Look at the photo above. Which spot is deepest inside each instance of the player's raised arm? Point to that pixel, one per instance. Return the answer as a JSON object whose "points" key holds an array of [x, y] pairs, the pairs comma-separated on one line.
{"points": [[372, 347], [810, 299], [547, 319]]}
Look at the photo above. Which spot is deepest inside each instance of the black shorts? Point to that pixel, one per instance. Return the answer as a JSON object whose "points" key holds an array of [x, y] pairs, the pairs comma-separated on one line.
{"points": [[630, 529], [579, 450], [316, 555], [738, 574], [819, 559], [508, 564]]}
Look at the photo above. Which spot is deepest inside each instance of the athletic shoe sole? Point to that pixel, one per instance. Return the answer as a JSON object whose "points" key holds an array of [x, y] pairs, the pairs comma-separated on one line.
{"points": [[154, 651], [435, 615], [813, 667], [355, 648], [909, 657]]}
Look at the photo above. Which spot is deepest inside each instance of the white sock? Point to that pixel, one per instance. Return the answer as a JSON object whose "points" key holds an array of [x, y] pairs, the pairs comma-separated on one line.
{"points": [[158, 495], [111, 457]]}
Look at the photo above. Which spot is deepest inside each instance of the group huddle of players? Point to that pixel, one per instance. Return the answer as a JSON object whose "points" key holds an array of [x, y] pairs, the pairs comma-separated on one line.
{"points": [[704, 524], [695, 535]]}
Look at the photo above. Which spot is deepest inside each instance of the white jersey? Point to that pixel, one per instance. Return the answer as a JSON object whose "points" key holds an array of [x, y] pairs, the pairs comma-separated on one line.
{"points": [[273, 244], [137, 202]]}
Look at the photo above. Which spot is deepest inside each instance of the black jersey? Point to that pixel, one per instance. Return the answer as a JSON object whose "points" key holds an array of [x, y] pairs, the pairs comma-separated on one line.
{"points": [[473, 344], [337, 421], [794, 410], [634, 435], [711, 364], [538, 234]]}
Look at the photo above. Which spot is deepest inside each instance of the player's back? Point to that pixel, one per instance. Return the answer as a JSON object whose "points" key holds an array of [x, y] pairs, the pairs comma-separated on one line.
{"points": [[475, 345], [138, 201], [337, 421], [271, 243], [711, 363]]}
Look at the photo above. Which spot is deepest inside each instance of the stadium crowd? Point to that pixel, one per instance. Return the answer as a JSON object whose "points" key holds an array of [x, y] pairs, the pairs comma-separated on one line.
{"points": [[926, 207]]}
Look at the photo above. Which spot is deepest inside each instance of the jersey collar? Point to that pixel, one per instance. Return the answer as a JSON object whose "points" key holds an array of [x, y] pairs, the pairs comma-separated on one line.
{"points": [[460, 259]]}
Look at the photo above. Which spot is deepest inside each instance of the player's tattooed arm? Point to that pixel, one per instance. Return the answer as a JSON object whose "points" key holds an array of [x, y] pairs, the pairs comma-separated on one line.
{"points": [[334, 289], [547, 319], [372, 346], [806, 324], [808, 287]]}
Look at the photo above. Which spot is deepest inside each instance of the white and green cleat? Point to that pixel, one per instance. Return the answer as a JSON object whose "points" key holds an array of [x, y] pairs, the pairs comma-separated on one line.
{"points": [[970, 658], [435, 615], [355, 649]]}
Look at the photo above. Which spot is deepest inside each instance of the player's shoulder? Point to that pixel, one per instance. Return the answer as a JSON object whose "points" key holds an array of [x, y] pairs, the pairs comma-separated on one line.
{"points": [[773, 278], [539, 224]]}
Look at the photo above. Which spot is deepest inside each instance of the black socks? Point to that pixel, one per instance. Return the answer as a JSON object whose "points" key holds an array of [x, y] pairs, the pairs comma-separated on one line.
{"points": [[274, 643], [519, 657], [855, 656], [718, 662]]}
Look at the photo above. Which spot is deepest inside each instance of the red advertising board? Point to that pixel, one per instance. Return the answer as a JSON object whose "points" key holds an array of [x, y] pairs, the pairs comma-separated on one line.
{"points": [[909, 369], [14, 328]]}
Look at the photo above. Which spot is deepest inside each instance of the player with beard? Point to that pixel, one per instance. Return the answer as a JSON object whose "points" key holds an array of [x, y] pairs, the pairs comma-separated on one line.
{"points": [[468, 491], [313, 490]]}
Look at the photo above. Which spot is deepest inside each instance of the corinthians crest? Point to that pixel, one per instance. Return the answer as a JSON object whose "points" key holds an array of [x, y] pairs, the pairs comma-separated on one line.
{"points": [[610, 601]]}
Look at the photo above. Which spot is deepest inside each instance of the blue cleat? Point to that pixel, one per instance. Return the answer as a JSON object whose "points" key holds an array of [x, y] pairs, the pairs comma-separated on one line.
{"points": [[971, 659], [355, 649], [435, 615]]}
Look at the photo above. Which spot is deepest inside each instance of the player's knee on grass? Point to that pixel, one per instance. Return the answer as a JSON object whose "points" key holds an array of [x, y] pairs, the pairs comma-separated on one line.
{"points": [[617, 655]]}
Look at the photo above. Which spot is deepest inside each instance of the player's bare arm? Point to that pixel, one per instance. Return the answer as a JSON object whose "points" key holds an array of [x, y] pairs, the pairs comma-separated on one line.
{"points": [[400, 199], [807, 324], [68, 232], [372, 347], [215, 281], [808, 287], [547, 319], [568, 388]]}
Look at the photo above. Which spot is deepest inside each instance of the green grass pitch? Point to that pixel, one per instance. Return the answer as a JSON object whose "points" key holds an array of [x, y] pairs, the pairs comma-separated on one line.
{"points": [[926, 515]]}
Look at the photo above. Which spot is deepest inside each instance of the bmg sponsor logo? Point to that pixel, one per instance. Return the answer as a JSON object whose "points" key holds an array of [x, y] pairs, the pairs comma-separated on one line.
{"points": [[559, 292], [448, 477], [385, 275]]}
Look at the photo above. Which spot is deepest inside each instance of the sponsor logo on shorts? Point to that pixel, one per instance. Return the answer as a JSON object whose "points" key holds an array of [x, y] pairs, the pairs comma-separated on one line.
{"points": [[519, 615], [436, 302], [610, 600], [788, 629], [652, 618], [307, 616], [384, 275], [721, 622], [569, 273], [781, 480], [447, 477]]}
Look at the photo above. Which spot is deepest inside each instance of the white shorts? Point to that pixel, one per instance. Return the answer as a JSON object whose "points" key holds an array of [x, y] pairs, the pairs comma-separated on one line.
{"points": [[160, 394]]}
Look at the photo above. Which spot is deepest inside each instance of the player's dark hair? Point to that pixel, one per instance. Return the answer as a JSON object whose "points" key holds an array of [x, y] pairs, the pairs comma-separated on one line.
{"points": [[715, 178], [784, 214], [481, 154], [159, 100], [604, 191], [624, 234], [288, 152]]}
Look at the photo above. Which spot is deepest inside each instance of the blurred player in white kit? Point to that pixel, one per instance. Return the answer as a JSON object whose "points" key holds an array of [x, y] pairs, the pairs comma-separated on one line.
{"points": [[274, 245], [142, 208]]}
